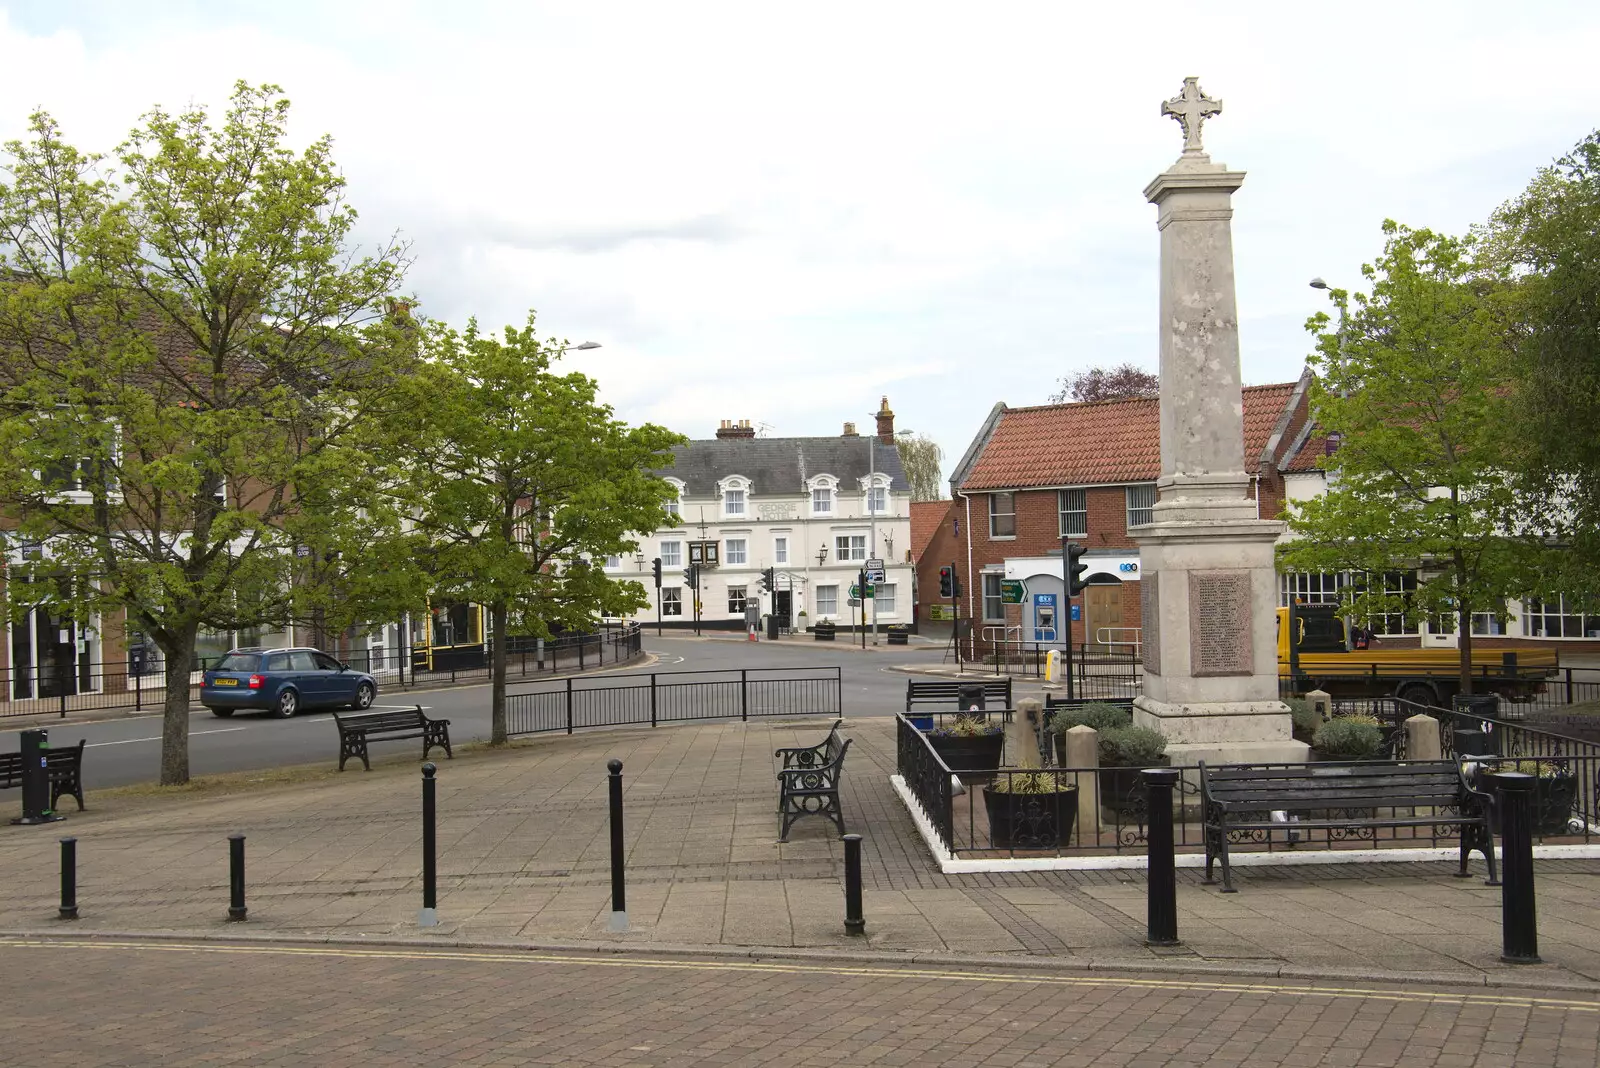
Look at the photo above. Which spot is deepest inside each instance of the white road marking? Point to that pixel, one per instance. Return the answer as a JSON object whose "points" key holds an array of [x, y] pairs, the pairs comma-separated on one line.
{"points": [[130, 741]]}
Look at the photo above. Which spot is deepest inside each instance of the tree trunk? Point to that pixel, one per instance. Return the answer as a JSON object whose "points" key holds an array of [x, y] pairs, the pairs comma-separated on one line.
{"points": [[175, 711], [497, 673], [1464, 645]]}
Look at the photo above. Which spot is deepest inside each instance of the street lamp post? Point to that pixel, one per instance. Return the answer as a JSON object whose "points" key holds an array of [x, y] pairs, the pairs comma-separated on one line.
{"points": [[1318, 283]]}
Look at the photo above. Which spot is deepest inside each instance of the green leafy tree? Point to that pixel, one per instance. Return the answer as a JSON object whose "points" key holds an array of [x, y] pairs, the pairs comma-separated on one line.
{"points": [[521, 484], [1123, 382], [187, 350], [921, 457], [1415, 387], [1547, 245]]}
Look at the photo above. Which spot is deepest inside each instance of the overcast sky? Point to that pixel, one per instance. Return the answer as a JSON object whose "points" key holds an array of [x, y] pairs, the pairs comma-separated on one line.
{"points": [[780, 212]]}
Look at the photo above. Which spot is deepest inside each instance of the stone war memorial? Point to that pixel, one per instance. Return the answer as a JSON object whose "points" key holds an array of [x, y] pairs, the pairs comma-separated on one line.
{"points": [[1206, 561]]}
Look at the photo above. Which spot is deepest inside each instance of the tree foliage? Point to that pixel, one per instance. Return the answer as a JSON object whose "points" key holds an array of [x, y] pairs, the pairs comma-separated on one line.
{"points": [[921, 458], [1123, 382], [1547, 245], [521, 484], [1417, 389], [187, 349]]}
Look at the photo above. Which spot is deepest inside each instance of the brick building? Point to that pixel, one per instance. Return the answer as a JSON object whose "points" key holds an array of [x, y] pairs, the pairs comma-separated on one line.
{"points": [[1085, 471]]}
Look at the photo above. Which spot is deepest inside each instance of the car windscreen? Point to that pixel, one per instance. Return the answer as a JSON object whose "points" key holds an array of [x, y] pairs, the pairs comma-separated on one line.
{"points": [[238, 662]]}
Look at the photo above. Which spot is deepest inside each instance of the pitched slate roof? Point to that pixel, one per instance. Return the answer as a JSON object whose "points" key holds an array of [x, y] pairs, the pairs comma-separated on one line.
{"points": [[781, 466], [1101, 442]]}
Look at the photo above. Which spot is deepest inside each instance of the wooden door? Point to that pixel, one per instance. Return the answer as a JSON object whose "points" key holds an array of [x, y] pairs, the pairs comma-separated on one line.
{"points": [[1103, 617]]}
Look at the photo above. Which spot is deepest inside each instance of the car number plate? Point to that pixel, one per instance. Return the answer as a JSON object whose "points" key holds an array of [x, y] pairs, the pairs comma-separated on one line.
{"points": [[224, 682]]}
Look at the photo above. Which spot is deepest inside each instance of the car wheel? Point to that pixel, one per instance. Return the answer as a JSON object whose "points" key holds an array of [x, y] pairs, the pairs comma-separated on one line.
{"points": [[222, 713], [288, 704], [364, 696], [1418, 693]]}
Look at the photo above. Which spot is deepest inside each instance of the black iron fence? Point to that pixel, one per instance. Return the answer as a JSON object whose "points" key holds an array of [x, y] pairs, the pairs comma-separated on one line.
{"points": [[675, 697], [141, 684], [1082, 811]]}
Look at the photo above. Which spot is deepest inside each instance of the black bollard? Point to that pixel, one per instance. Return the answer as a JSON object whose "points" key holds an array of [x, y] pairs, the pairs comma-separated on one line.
{"points": [[619, 888], [429, 917], [1519, 922], [854, 922], [1161, 897], [69, 878], [236, 909]]}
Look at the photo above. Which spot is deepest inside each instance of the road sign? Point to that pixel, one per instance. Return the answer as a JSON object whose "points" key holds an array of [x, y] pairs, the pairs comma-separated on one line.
{"points": [[941, 611], [855, 591], [1013, 591], [1077, 613], [855, 602], [874, 575], [874, 565]]}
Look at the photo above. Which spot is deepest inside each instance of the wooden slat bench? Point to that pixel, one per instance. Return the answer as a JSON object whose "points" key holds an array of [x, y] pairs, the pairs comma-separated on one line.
{"points": [[812, 791], [63, 766], [355, 731], [996, 693], [1341, 797]]}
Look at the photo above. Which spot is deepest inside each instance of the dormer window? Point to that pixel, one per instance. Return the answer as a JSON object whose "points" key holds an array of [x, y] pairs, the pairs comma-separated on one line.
{"points": [[673, 505], [734, 492], [823, 490], [875, 495]]}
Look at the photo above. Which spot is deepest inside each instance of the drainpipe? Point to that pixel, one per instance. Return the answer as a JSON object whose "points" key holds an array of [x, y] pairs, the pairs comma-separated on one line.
{"points": [[971, 644]]}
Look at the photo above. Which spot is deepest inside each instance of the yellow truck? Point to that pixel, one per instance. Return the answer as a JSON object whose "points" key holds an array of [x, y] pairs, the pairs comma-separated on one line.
{"points": [[1325, 658]]}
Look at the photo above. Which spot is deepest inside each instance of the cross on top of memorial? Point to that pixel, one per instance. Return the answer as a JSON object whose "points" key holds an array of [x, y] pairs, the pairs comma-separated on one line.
{"points": [[1191, 107]]}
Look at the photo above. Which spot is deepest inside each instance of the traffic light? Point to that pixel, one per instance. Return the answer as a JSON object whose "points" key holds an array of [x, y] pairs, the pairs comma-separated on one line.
{"points": [[658, 572], [947, 580], [1075, 567], [691, 576], [769, 580]]}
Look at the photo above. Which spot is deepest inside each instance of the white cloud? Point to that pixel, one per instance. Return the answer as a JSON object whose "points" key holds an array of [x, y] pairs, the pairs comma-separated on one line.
{"points": [[780, 213]]}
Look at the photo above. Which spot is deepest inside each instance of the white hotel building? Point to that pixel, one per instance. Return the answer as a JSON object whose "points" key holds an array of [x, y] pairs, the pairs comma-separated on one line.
{"points": [[815, 510]]}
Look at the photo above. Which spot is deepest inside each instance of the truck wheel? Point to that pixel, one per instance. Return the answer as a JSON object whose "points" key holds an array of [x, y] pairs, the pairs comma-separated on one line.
{"points": [[1418, 693]]}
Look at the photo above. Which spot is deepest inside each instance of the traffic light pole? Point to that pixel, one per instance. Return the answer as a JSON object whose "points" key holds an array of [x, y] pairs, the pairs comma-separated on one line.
{"points": [[658, 596], [1066, 596]]}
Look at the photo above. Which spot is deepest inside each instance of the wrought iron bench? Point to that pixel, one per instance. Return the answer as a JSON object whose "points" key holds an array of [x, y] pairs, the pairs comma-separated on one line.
{"points": [[996, 692], [1341, 798], [63, 766], [811, 756], [355, 731], [812, 791]]}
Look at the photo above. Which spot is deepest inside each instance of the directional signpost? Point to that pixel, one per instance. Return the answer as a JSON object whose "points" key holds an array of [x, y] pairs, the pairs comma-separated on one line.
{"points": [[855, 590], [1013, 591], [874, 573]]}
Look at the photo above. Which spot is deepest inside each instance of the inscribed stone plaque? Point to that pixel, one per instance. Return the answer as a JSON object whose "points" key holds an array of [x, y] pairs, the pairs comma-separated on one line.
{"points": [[1220, 638], [1150, 621]]}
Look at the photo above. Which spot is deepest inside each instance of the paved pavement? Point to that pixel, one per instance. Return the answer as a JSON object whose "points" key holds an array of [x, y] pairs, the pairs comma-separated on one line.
{"points": [[188, 1003]]}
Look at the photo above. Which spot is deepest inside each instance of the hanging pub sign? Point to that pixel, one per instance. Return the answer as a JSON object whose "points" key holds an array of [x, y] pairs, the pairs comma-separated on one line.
{"points": [[703, 552]]}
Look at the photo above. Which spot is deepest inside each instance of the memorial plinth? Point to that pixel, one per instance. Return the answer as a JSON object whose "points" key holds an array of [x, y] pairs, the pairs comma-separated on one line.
{"points": [[1208, 585]]}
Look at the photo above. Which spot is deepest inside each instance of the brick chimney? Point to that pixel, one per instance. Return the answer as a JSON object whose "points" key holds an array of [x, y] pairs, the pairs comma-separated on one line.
{"points": [[885, 423], [740, 429], [849, 431]]}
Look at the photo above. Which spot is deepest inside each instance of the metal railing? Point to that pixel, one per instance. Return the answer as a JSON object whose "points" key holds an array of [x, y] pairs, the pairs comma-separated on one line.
{"points": [[1115, 818], [96, 685], [1103, 637], [675, 697], [1096, 672]]}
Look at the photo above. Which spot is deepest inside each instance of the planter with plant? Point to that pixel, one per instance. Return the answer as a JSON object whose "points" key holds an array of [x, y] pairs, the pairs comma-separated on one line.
{"points": [[1102, 716], [1124, 753], [1031, 810], [1348, 738], [1555, 794], [968, 743], [1304, 717]]}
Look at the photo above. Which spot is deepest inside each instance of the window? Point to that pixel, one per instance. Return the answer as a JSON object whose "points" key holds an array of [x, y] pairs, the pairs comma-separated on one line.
{"points": [[736, 600], [1074, 509], [277, 662], [1556, 619], [883, 593], [613, 563], [1141, 499], [822, 500], [326, 662], [1399, 586], [302, 661], [672, 600], [1309, 587], [780, 550], [1002, 515], [994, 609], [827, 600], [848, 547], [672, 554], [673, 504], [878, 500], [1488, 624], [733, 501], [736, 551]]}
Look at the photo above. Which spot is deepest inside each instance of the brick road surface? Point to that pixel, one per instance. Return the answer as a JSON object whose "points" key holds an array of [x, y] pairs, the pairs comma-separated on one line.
{"points": [[523, 857], [92, 1003]]}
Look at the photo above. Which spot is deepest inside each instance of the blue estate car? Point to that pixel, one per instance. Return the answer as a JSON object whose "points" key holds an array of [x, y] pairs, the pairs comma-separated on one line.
{"points": [[284, 681]]}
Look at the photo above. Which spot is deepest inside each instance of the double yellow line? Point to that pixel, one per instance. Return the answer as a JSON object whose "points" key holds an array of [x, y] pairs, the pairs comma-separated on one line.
{"points": [[518, 957]]}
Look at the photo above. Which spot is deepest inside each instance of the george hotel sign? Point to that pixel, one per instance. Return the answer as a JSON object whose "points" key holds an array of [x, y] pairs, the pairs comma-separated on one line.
{"points": [[770, 510]]}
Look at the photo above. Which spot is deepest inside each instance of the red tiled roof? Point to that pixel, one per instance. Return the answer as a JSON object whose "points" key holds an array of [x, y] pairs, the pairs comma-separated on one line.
{"points": [[925, 519], [1103, 442]]}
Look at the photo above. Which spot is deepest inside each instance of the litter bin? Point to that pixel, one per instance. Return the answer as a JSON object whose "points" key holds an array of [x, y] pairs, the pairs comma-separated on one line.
{"points": [[971, 697], [898, 634], [1486, 705], [1473, 741], [772, 627]]}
